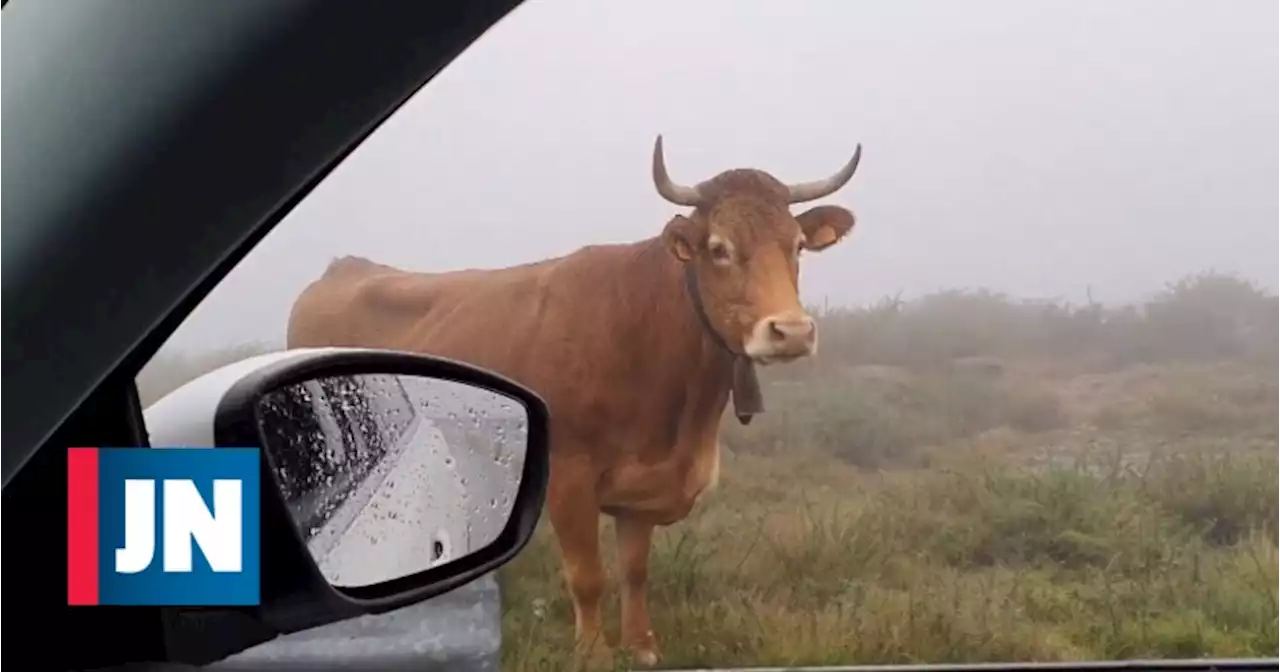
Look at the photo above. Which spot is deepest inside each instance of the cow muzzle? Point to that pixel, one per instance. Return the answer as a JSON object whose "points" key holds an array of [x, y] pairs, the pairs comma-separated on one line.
{"points": [[782, 338]]}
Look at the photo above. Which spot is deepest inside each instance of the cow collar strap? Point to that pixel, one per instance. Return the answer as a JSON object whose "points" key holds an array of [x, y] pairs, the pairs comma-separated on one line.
{"points": [[747, 398]]}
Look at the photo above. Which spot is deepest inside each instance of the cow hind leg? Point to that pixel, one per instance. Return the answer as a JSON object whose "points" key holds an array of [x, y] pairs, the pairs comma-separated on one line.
{"points": [[575, 518], [634, 538]]}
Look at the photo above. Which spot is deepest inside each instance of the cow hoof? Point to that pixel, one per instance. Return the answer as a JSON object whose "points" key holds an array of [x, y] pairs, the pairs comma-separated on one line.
{"points": [[645, 657]]}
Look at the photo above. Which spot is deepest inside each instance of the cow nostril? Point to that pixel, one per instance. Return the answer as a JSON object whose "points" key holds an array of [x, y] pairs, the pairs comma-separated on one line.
{"points": [[781, 330]]}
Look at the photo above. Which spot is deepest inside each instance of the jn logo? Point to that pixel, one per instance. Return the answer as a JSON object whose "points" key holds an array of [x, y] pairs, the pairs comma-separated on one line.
{"points": [[120, 499]]}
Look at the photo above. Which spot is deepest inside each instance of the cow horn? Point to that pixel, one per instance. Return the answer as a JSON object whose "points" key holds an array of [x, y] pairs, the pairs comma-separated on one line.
{"points": [[809, 191], [676, 193]]}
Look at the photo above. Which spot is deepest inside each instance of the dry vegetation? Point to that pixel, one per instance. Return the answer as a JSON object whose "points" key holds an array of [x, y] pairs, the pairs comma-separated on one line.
{"points": [[971, 478], [967, 477]]}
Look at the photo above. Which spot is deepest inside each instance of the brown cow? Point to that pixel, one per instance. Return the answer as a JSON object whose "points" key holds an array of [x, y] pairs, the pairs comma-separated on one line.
{"points": [[635, 347]]}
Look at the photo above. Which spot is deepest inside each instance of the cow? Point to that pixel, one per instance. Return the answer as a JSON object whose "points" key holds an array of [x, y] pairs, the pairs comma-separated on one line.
{"points": [[637, 349]]}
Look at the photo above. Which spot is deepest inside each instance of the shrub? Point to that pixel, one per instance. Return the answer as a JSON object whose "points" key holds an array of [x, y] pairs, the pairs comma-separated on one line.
{"points": [[1203, 316], [887, 420]]}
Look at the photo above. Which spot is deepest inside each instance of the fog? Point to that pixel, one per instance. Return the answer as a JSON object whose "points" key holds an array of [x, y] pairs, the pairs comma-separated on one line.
{"points": [[1034, 148]]}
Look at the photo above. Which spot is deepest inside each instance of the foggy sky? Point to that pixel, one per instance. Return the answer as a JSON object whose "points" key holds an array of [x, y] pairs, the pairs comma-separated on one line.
{"points": [[1034, 148]]}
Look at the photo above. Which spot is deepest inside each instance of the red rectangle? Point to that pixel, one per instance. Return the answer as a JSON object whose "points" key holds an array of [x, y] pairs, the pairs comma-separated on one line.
{"points": [[82, 526]]}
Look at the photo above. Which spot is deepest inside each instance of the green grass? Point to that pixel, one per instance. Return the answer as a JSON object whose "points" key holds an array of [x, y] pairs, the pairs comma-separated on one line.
{"points": [[924, 518]]}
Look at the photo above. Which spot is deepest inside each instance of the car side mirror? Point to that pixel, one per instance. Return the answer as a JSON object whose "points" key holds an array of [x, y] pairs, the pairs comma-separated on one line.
{"points": [[387, 477]]}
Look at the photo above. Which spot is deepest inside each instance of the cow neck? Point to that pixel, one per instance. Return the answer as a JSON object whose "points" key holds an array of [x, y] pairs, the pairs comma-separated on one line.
{"points": [[745, 388]]}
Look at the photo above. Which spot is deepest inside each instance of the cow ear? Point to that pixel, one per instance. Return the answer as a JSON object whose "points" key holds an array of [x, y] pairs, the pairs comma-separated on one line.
{"points": [[680, 237], [824, 226]]}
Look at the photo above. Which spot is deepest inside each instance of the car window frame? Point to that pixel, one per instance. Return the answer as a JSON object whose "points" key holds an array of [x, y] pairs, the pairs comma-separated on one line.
{"points": [[158, 215]]}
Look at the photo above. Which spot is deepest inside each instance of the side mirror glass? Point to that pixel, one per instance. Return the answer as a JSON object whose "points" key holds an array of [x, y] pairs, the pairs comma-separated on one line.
{"points": [[387, 475]]}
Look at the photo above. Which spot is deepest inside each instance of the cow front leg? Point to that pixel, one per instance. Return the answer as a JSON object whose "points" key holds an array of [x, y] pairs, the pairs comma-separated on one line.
{"points": [[575, 518], [634, 538]]}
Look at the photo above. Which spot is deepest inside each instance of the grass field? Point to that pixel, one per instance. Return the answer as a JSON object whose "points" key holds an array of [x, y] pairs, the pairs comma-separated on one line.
{"points": [[1142, 526], [967, 477]]}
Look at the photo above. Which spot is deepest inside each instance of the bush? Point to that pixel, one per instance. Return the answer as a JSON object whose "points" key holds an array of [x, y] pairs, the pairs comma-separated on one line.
{"points": [[1203, 316], [875, 421], [1224, 497]]}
